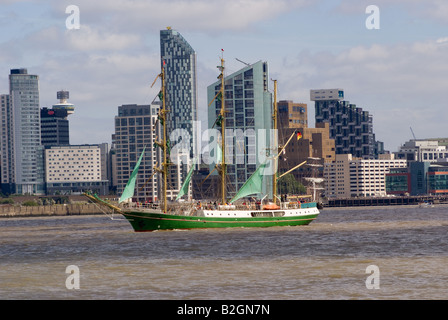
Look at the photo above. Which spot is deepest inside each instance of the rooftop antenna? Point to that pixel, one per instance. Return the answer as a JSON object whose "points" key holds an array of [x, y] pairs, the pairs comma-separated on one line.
{"points": [[412, 131], [247, 64]]}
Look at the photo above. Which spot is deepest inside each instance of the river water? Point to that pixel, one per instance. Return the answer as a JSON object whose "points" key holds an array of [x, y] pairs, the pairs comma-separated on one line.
{"points": [[329, 259]]}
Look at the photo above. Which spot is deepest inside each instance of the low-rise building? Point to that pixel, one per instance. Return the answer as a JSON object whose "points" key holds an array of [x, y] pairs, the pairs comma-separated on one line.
{"points": [[348, 177], [420, 178], [422, 150], [77, 168]]}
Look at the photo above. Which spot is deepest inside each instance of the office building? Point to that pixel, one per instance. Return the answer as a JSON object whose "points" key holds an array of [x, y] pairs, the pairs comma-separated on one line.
{"points": [[422, 150], [292, 115], [22, 152], [54, 127], [6, 145], [248, 120], [314, 146], [135, 128], [419, 178], [349, 177], [54, 122], [350, 126]]}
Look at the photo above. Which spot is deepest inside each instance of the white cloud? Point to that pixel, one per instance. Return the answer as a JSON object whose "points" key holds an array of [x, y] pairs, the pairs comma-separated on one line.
{"points": [[188, 15], [90, 39], [427, 9], [442, 40]]}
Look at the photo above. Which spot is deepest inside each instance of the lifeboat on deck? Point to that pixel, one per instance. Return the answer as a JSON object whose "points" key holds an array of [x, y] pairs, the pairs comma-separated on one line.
{"points": [[271, 206]]}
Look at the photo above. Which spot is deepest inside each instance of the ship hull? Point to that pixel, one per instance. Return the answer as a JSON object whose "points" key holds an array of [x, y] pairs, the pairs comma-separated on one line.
{"points": [[144, 220]]}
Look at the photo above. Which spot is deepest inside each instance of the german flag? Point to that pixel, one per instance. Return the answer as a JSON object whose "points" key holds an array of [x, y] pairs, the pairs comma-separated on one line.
{"points": [[299, 135]]}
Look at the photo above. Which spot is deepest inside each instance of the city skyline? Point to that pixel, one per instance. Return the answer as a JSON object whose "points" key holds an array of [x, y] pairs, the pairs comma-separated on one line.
{"points": [[397, 72]]}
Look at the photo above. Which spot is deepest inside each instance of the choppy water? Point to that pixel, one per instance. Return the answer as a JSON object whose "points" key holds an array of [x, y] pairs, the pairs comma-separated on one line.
{"points": [[325, 260]]}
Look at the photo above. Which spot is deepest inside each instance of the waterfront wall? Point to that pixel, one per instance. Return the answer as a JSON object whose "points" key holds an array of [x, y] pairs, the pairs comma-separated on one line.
{"points": [[49, 210], [387, 201]]}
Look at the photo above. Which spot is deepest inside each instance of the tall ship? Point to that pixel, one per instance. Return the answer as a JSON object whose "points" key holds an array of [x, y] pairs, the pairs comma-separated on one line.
{"points": [[281, 211]]}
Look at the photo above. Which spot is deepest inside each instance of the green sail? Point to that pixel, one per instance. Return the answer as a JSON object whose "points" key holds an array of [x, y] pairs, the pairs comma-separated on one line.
{"points": [[130, 186], [253, 185], [184, 188]]}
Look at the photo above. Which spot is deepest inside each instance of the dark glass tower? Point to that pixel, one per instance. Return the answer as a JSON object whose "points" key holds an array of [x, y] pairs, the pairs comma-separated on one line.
{"points": [[54, 123], [54, 127]]}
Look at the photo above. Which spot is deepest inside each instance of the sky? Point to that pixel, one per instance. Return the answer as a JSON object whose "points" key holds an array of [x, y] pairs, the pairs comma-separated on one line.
{"points": [[394, 66]]}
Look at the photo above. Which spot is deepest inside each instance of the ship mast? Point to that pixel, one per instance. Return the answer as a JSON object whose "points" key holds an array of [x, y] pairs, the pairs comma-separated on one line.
{"points": [[223, 129], [165, 162], [274, 117], [163, 144]]}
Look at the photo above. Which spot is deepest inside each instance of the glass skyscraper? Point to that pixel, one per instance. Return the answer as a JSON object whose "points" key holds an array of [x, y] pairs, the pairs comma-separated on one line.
{"points": [[248, 122], [23, 152], [179, 60]]}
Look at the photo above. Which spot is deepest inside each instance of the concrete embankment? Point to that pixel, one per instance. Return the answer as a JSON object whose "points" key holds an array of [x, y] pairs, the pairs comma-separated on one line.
{"points": [[10, 211]]}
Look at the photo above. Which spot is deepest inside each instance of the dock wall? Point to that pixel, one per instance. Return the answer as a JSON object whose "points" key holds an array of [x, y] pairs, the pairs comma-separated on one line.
{"points": [[386, 201], [49, 210]]}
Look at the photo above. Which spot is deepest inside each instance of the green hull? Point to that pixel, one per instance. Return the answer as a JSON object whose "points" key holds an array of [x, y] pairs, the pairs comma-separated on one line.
{"points": [[147, 221]]}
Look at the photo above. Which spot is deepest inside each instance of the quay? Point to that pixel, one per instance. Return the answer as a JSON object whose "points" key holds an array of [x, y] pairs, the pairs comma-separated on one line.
{"points": [[385, 201], [49, 210], [58, 206]]}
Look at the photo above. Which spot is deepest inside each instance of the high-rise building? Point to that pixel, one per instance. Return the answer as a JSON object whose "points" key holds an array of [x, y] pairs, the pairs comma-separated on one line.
{"points": [[248, 121], [179, 60], [54, 127], [6, 145], [54, 122], [23, 154], [350, 126], [134, 129]]}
